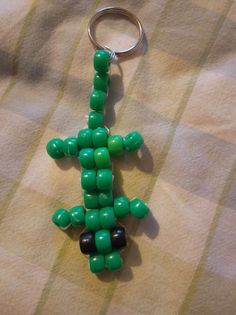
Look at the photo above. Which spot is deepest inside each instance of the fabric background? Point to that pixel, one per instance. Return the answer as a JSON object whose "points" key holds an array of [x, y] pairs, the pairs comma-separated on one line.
{"points": [[179, 93]]}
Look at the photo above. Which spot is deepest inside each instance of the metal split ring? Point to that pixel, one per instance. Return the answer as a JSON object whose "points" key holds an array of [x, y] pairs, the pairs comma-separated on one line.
{"points": [[118, 11]]}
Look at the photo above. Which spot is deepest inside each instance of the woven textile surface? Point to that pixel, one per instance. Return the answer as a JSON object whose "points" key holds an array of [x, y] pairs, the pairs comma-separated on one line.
{"points": [[179, 91]]}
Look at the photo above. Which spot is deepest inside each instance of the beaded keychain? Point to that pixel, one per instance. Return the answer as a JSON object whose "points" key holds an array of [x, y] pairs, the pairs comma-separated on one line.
{"points": [[103, 236]]}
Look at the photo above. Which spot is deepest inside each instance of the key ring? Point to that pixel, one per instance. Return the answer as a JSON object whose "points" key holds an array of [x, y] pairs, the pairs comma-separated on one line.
{"points": [[119, 11]]}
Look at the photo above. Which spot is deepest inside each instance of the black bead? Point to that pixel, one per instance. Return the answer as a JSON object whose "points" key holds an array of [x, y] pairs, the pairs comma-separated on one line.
{"points": [[118, 238], [87, 243]]}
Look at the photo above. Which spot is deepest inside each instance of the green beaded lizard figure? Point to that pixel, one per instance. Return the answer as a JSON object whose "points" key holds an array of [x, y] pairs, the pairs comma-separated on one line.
{"points": [[93, 146]]}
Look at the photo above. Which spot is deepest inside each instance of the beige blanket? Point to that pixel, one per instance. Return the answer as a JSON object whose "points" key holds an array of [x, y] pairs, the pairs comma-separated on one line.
{"points": [[180, 94]]}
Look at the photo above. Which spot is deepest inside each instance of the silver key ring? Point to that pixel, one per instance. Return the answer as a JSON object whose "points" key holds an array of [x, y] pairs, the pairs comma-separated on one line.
{"points": [[119, 11]]}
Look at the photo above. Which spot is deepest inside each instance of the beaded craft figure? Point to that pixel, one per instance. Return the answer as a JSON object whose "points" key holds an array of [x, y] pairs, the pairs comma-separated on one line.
{"points": [[103, 237]]}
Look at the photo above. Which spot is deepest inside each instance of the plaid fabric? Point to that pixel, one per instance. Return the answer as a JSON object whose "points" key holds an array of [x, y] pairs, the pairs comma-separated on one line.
{"points": [[180, 93]]}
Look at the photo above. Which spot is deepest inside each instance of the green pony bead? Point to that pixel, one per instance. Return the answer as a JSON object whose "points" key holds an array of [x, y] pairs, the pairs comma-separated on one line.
{"points": [[101, 82], [92, 220], [104, 179], [88, 180], [77, 216], [138, 208], [84, 138], [97, 100], [115, 145], [105, 199], [121, 207], [107, 218], [61, 218], [101, 61], [113, 260], [70, 146], [95, 120], [86, 158], [91, 200], [133, 141], [103, 241], [102, 158], [55, 148], [96, 263], [99, 137]]}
